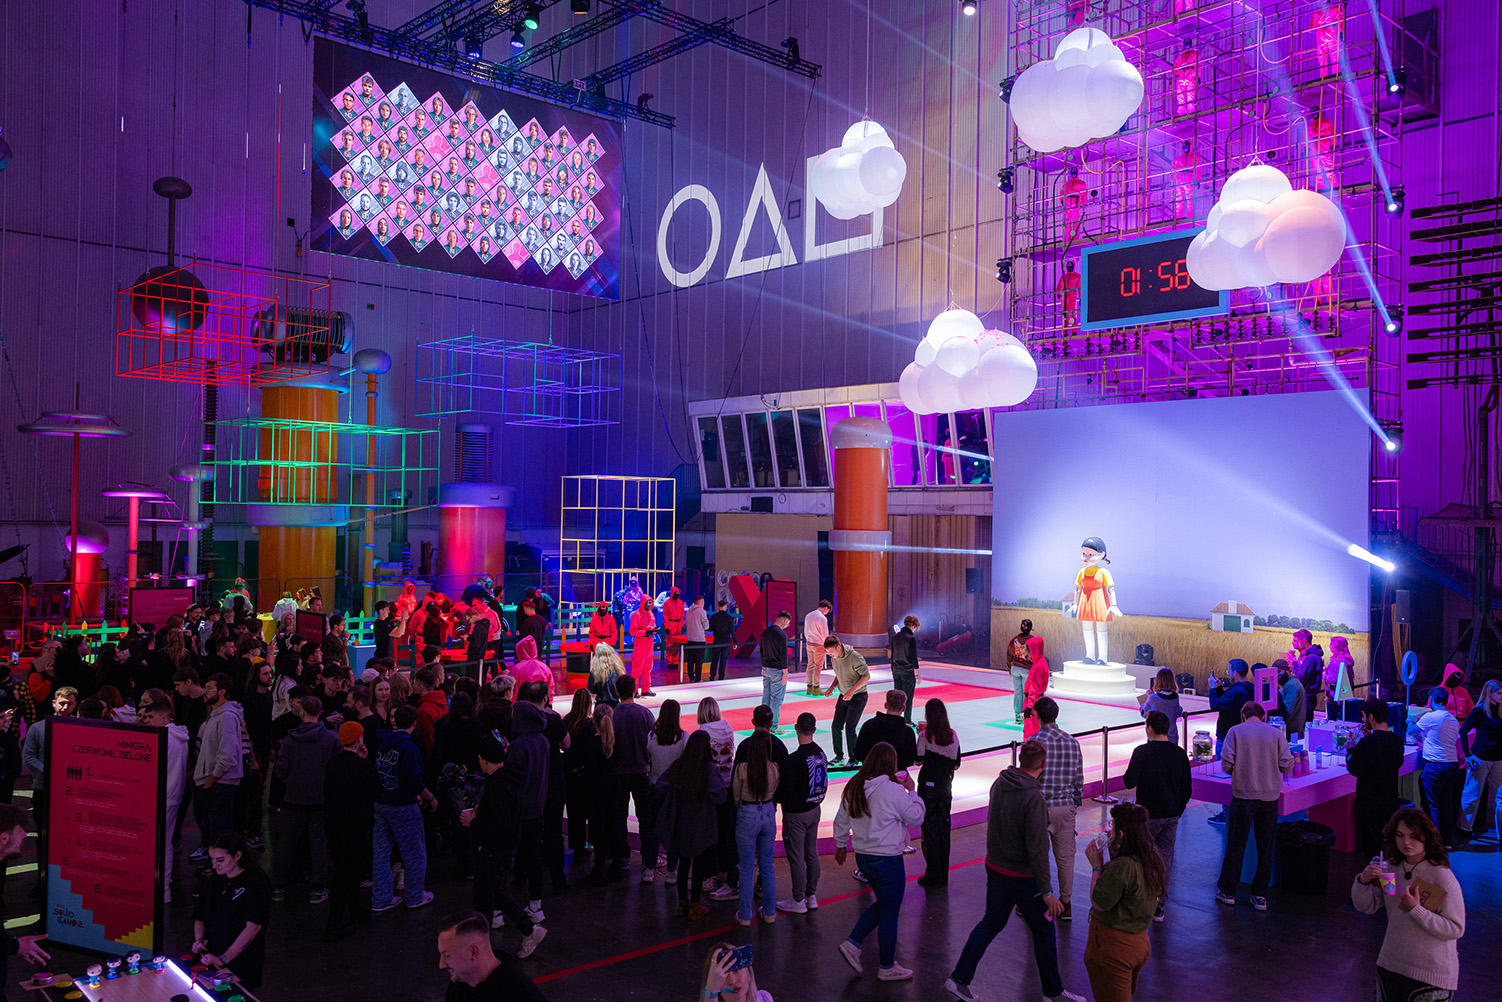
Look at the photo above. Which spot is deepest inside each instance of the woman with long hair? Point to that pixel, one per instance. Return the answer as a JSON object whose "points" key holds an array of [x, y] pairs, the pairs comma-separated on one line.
{"points": [[875, 811], [1124, 894], [580, 759], [1481, 744], [401, 690], [231, 911], [1164, 697], [610, 848], [723, 887], [938, 758], [755, 787], [1425, 911], [664, 745], [688, 792], [722, 977], [605, 666]]}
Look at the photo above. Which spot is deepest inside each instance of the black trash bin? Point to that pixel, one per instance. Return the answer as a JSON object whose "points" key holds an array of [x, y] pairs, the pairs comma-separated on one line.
{"points": [[1304, 856]]}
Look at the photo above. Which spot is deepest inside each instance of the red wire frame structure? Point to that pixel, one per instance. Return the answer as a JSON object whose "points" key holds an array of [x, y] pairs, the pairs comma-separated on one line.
{"points": [[225, 325]]}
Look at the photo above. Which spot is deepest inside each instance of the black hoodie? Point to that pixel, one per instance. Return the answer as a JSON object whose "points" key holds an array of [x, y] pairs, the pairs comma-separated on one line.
{"points": [[1017, 827], [527, 758]]}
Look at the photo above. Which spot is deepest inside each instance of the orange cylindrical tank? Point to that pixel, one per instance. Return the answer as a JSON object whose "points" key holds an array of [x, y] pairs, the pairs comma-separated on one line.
{"points": [[860, 540], [471, 534], [298, 491]]}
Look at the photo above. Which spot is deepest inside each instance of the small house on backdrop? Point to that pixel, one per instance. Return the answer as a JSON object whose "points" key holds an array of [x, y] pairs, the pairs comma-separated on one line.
{"points": [[1231, 617]]}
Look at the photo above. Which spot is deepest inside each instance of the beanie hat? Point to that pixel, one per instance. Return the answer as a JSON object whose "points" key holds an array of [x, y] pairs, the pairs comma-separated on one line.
{"points": [[369, 675], [350, 732], [493, 747]]}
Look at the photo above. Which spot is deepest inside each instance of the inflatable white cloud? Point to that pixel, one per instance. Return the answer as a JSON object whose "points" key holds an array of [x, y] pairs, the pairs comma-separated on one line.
{"points": [[1262, 232], [1086, 91], [864, 173], [961, 366]]}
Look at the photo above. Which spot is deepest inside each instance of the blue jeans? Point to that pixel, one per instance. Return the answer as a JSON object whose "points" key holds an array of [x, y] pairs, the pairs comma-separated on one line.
{"points": [[888, 879], [399, 827], [1019, 692], [755, 834], [1003, 893], [773, 686]]}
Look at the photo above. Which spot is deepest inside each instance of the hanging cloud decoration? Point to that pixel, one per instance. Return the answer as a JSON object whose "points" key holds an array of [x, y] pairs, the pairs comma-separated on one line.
{"points": [[1086, 91], [864, 173], [1262, 232], [961, 366]]}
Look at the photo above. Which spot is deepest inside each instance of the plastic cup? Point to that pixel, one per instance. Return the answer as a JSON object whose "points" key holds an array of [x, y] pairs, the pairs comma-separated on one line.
{"points": [[1388, 881]]}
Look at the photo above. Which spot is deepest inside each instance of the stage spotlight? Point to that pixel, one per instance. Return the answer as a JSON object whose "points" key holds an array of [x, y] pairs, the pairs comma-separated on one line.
{"points": [[1394, 203], [1006, 180], [518, 40], [1003, 270], [791, 44], [1361, 553], [362, 19], [642, 100], [530, 20], [1006, 89], [471, 48], [579, 6], [1397, 82], [1392, 324], [968, 7], [1394, 437]]}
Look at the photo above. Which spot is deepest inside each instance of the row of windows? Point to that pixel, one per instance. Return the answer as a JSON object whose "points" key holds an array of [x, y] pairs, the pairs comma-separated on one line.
{"points": [[789, 449]]}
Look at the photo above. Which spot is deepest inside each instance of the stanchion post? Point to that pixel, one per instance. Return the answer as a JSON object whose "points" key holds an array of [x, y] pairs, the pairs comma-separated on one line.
{"points": [[1104, 797]]}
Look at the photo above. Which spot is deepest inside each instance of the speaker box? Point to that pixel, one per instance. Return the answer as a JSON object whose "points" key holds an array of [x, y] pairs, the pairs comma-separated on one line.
{"points": [[1403, 606], [762, 504], [975, 581]]}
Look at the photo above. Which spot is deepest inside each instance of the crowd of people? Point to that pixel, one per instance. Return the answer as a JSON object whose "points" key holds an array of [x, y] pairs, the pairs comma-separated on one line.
{"points": [[363, 780]]}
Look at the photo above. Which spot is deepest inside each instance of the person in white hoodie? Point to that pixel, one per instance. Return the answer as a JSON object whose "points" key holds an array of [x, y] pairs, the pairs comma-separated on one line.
{"points": [[875, 811], [159, 714], [722, 753]]}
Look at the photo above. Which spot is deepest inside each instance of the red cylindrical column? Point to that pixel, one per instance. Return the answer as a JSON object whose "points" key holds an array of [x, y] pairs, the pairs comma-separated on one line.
{"points": [[860, 540], [471, 534]]}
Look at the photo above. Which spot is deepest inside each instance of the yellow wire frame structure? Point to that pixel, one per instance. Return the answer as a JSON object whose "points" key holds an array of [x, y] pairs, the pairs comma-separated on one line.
{"points": [[613, 529]]}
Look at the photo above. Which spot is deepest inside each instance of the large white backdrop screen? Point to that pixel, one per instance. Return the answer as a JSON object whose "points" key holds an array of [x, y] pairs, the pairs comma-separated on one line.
{"points": [[1251, 499]]}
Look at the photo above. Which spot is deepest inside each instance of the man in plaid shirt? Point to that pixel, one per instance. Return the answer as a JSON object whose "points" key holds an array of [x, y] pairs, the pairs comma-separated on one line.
{"points": [[1063, 783]]}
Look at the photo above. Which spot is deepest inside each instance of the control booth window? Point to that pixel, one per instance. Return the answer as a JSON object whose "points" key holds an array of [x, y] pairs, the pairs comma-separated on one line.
{"points": [[974, 447], [815, 459], [735, 450], [709, 449], [907, 462], [785, 438], [760, 446]]}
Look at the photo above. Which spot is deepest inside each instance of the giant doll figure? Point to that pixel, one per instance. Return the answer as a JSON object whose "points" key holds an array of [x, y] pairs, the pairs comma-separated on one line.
{"points": [[1095, 599], [1073, 196], [1329, 24], [1069, 296], [643, 626], [1186, 79], [1186, 178]]}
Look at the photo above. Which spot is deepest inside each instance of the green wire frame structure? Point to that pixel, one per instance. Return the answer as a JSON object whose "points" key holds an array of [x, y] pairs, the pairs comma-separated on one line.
{"points": [[613, 529], [526, 383], [253, 457]]}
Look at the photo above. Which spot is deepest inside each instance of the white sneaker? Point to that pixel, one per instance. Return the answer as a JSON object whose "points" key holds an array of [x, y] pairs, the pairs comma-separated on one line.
{"points": [[529, 943], [852, 954], [497, 920], [670, 877], [646, 875], [811, 903], [962, 992], [1066, 997], [894, 973], [725, 893], [712, 884], [794, 905], [534, 913], [858, 875], [905, 851]]}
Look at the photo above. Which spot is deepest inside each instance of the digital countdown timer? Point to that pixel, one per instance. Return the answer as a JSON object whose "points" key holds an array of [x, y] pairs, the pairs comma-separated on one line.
{"points": [[1142, 281]]}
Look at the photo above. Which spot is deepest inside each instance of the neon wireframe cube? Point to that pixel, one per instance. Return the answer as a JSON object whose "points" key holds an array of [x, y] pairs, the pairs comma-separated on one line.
{"points": [[209, 323], [613, 529], [542, 385]]}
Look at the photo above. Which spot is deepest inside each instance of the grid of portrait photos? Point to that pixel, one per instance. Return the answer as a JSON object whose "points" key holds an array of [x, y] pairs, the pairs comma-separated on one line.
{"points": [[412, 168]]}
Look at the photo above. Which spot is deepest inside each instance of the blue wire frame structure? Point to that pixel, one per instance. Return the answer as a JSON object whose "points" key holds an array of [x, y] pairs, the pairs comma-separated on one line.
{"points": [[526, 383]]}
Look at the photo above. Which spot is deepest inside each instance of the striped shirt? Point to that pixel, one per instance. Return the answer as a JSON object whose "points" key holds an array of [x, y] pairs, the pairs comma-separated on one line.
{"points": [[1063, 778]]}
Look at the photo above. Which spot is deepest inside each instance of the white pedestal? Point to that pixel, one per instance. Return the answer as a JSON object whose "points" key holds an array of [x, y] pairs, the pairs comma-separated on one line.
{"points": [[1080, 679]]}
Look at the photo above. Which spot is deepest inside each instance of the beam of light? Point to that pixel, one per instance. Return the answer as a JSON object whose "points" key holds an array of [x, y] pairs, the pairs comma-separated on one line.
{"points": [[1381, 36], [1353, 92], [1362, 553], [898, 440], [1299, 332]]}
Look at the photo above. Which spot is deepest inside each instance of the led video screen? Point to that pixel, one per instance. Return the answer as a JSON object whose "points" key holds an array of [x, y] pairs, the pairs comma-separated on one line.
{"points": [[420, 168]]}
